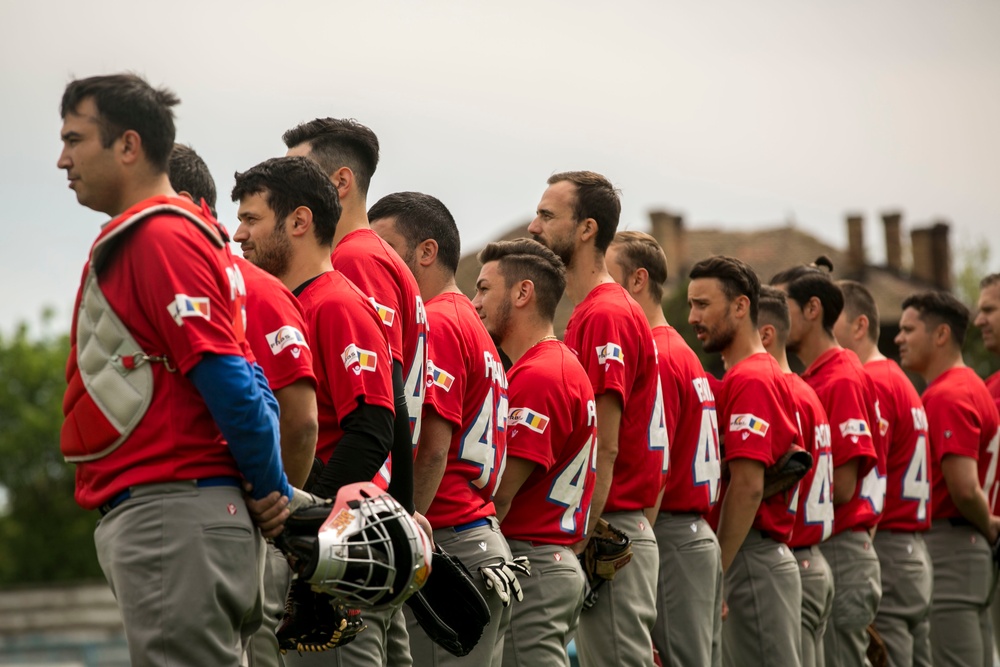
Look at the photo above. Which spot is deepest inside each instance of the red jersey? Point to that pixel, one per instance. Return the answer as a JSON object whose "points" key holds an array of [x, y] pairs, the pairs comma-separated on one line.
{"points": [[962, 419], [371, 264], [552, 422], [993, 385], [813, 497], [758, 423], [610, 335], [848, 395], [692, 426], [180, 297], [350, 354], [467, 387], [903, 428], [275, 328]]}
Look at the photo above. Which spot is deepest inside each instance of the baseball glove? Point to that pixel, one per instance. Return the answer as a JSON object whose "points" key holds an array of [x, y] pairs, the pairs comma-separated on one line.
{"points": [[787, 471], [316, 622], [449, 607], [608, 550]]}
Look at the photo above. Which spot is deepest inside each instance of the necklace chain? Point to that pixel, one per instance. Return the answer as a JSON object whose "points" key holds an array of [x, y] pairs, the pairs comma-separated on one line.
{"points": [[545, 338]]}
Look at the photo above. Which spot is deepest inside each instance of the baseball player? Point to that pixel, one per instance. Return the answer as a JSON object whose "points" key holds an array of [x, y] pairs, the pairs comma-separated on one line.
{"points": [[348, 153], [759, 571], [962, 422], [164, 412], [988, 321], [275, 332], [544, 497], [688, 629], [577, 218], [461, 453], [813, 501], [288, 213], [848, 394], [903, 618]]}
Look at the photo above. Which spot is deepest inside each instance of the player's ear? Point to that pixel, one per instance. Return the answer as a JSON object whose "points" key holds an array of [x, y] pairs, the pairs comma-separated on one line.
{"points": [[343, 180], [587, 229], [427, 252], [767, 334], [523, 291], [130, 146], [941, 335], [813, 309], [861, 326], [741, 305], [639, 279], [300, 221]]}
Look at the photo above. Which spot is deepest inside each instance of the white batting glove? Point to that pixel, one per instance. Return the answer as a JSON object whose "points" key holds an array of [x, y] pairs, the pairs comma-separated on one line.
{"points": [[502, 578]]}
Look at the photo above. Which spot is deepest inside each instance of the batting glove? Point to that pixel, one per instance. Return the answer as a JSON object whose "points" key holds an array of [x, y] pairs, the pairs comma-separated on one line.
{"points": [[502, 578]]}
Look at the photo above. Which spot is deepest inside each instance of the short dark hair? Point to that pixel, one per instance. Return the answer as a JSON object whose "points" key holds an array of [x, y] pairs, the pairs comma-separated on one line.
{"points": [[527, 259], [989, 281], [127, 102], [937, 307], [420, 217], [336, 143], [638, 250], [737, 279], [774, 311], [189, 173], [806, 281], [290, 182], [595, 198], [859, 301]]}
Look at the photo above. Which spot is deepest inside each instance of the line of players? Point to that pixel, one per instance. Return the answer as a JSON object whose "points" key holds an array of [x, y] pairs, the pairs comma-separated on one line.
{"points": [[617, 421]]}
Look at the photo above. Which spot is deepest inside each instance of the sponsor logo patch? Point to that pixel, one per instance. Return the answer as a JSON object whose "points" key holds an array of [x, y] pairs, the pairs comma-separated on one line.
{"points": [[188, 306], [750, 423], [385, 313], [284, 337], [359, 360], [536, 421], [610, 352], [854, 427], [441, 378]]}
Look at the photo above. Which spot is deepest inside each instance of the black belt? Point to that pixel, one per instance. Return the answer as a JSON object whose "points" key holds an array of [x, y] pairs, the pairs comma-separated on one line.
{"points": [[200, 483], [960, 521]]}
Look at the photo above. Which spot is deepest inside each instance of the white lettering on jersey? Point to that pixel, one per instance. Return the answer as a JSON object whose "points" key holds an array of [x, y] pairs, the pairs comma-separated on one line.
{"points": [[703, 389]]}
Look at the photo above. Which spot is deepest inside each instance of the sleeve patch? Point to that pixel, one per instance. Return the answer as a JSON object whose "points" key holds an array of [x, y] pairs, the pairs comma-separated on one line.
{"points": [[188, 306], [748, 422], [536, 421], [439, 377], [359, 360], [286, 336], [610, 352], [855, 428], [385, 313]]}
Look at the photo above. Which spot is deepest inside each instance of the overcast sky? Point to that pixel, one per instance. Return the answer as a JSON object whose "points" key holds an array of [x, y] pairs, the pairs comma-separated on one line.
{"points": [[735, 113]]}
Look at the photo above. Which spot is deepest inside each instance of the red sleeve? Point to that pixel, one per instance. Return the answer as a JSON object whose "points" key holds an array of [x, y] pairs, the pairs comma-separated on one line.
{"points": [[750, 413], [953, 428], [359, 364], [531, 412], [187, 296], [851, 435], [446, 372], [276, 333], [603, 345]]}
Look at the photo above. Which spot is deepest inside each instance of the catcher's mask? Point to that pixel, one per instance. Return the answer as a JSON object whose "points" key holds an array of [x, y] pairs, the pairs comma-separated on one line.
{"points": [[367, 551]]}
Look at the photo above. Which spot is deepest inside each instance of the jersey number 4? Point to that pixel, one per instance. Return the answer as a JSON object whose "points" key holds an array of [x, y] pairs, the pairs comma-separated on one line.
{"points": [[706, 466], [916, 485], [479, 446], [567, 487]]}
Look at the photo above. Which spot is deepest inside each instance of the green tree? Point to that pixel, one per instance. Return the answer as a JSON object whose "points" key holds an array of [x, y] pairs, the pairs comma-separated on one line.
{"points": [[44, 535]]}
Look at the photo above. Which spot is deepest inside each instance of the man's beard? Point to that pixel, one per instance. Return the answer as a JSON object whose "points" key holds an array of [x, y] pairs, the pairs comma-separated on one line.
{"points": [[276, 255], [562, 249], [500, 328], [721, 338]]}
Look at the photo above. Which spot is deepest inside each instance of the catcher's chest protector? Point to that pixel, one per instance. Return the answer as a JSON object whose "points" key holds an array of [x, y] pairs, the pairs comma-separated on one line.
{"points": [[110, 377]]}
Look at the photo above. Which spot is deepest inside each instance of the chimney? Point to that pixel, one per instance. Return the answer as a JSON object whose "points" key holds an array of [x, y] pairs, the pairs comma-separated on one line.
{"points": [[855, 245], [923, 260], [668, 230], [941, 255], [893, 240]]}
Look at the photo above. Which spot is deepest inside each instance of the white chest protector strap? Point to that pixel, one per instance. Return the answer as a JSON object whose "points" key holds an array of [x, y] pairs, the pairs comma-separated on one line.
{"points": [[115, 371]]}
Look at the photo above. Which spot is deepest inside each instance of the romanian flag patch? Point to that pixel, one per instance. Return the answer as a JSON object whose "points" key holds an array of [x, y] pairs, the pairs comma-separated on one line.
{"points": [[440, 377], [357, 360], [855, 427], [747, 422], [188, 306], [385, 313], [610, 352], [536, 421]]}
